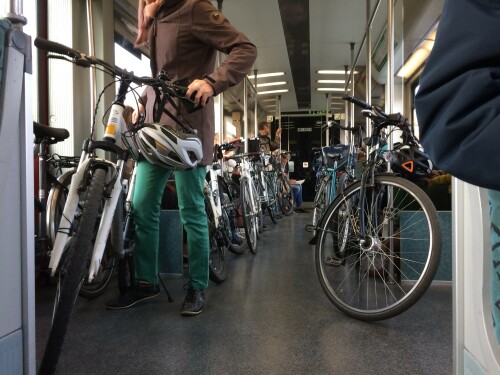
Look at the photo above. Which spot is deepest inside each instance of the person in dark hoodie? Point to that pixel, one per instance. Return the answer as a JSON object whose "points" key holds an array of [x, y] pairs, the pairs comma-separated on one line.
{"points": [[184, 37]]}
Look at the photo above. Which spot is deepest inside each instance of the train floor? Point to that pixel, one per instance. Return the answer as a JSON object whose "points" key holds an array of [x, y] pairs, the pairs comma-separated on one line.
{"points": [[270, 316]]}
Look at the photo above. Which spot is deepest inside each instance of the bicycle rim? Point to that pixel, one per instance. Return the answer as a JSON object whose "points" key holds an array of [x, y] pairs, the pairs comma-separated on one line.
{"points": [[384, 273]]}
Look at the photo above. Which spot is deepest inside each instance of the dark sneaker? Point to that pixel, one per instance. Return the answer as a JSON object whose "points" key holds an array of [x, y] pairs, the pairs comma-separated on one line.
{"points": [[140, 292], [237, 240], [194, 302]]}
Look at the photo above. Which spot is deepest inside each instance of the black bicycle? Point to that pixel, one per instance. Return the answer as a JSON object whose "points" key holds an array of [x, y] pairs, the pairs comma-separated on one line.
{"points": [[379, 242]]}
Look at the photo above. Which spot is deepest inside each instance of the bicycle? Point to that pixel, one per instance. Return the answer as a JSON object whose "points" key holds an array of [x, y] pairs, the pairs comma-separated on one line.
{"points": [[284, 194], [221, 200], [379, 241], [250, 201], [264, 186], [98, 186], [55, 172]]}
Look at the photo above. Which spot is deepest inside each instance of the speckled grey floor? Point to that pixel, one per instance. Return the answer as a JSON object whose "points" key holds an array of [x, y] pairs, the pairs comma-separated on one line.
{"points": [[269, 317]]}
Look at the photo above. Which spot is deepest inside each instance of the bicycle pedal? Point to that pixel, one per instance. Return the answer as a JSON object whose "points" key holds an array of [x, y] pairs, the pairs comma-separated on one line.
{"points": [[310, 227]]}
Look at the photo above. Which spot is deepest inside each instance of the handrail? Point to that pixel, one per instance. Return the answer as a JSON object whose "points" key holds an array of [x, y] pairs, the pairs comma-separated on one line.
{"points": [[351, 74]]}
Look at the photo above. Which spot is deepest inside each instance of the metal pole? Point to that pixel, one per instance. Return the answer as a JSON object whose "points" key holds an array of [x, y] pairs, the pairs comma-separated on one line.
{"points": [[353, 68], [245, 113], [390, 56], [363, 42], [92, 77], [221, 95], [278, 113], [327, 135], [13, 10], [348, 107], [255, 101], [389, 109], [368, 72]]}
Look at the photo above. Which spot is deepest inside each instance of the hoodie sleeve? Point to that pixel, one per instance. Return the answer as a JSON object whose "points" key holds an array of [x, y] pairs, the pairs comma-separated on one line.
{"points": [[211, 27]]}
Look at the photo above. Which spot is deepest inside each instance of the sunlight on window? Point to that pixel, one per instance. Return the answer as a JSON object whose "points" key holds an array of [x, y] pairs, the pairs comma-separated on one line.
{"points": [[140, 67]]}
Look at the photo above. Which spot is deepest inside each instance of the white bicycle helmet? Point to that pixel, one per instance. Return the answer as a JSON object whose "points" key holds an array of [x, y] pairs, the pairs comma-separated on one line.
{"points": [[169, 148]]}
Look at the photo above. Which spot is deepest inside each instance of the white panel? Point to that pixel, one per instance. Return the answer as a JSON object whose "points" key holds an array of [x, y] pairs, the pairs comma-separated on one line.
{"points": [[60, 81], [474, 324]]}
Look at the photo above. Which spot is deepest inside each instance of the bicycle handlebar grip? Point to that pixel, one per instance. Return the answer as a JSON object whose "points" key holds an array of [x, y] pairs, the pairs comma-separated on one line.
{"points": [[356, 101], [61, 49]]}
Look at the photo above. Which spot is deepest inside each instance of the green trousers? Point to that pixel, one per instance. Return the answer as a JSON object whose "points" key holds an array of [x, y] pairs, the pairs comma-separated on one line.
{"points": [[150, 184]]}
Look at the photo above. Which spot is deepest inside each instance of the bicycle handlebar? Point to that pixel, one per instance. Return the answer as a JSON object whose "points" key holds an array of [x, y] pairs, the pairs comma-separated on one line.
{"points": [[376, 113], [85, 61], [335, 124], [55, 47], [357, 101]]}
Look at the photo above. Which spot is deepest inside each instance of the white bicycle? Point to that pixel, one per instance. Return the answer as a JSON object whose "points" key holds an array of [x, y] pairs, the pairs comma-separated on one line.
{"points": [[94, 195]]}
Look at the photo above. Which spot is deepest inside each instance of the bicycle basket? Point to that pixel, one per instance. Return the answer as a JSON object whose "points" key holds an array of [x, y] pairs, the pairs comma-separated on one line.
{"points": [[339, 153]]}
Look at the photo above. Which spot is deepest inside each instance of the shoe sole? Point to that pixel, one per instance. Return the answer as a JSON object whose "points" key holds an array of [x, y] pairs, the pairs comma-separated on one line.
{"points": [[132, 304], [190, 313]]}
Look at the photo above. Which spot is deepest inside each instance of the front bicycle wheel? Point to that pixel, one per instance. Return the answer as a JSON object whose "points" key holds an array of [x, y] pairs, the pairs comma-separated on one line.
{"points": [[72, 270], [272, 206], [249, 214], [321, 200], [378, 269], [55, 207], [233, 206]]}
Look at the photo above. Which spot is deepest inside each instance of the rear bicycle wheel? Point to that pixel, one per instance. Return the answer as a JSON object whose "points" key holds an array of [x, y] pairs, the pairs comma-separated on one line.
{"points": [[72, 270], [382, 273], [249, 216], [285, 197]]}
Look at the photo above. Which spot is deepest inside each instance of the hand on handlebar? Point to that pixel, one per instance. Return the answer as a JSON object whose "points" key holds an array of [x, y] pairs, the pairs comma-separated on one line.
{"points": [[200, 91]]}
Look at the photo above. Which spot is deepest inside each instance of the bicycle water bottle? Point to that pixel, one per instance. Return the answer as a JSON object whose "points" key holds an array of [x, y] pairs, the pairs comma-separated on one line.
{"points": [[115, 123]]}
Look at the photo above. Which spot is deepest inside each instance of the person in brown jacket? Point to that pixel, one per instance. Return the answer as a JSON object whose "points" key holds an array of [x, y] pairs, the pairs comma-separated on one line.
{"points": [[184, 37]]}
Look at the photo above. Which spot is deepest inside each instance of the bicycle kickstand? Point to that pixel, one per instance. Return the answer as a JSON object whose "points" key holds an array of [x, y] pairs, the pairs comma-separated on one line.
{"points": [[170, 299]]}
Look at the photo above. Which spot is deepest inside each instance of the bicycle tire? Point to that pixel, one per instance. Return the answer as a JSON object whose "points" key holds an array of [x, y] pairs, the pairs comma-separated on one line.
{"points": [[285, 197], [217, 269], [321, 200], [369, 282], [249, 217], [71, 273], [238, 244], [271, 205], [217, 264]]}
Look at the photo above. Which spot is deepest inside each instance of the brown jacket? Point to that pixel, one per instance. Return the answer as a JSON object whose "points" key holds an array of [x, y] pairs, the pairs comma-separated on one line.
{"points": [[184, 40]]}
